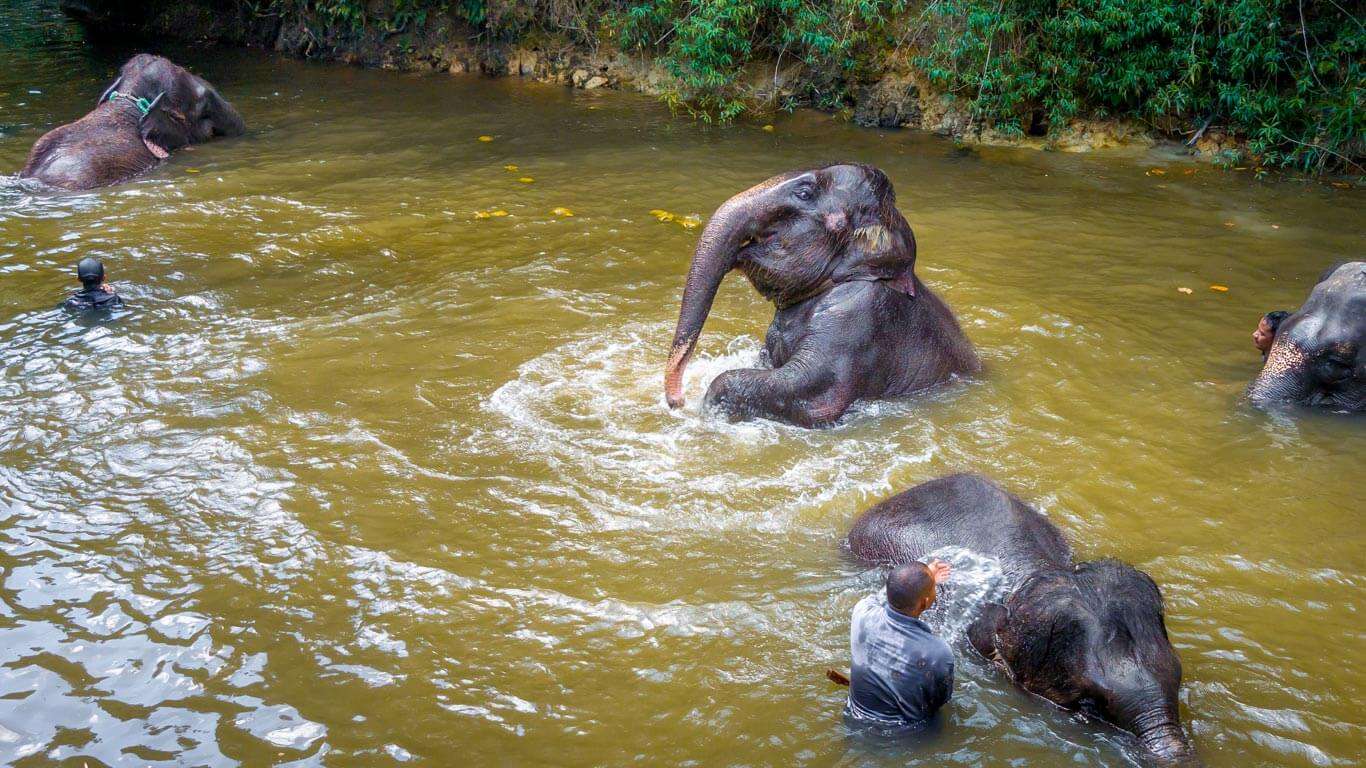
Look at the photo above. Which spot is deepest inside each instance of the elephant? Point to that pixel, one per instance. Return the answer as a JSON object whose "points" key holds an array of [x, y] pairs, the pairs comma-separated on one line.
{"points": [[1089, 637], [853, 322], [1316, 355], [153, 108]]}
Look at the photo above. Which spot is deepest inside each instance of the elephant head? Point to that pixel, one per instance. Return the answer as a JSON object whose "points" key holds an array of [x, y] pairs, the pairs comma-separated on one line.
{"points": [[177, 108], [1092, 639], [795, 236], [1318, 354]]}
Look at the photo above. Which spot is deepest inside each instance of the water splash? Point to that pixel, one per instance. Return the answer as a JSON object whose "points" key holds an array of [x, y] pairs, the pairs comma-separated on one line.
{"points": [[597, 404]]}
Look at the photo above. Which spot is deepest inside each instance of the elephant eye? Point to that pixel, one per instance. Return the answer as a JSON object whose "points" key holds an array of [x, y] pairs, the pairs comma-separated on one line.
{"points": [[804, 193]]}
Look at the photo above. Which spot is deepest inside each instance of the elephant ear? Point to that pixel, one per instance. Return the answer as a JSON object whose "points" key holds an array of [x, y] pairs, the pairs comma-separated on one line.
{"points": [[982, 632], [881, 245]]}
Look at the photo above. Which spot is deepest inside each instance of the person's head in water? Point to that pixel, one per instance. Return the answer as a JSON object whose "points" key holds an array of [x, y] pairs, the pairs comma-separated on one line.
{"points": [[1265, 334], [911, 588], [91, 273]]}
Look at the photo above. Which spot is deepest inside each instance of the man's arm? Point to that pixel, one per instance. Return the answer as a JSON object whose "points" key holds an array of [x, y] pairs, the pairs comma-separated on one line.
{"points": [[942, 689]]}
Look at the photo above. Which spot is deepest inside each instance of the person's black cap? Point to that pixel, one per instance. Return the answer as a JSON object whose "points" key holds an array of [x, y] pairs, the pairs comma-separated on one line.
{"points": [[90, 271]]}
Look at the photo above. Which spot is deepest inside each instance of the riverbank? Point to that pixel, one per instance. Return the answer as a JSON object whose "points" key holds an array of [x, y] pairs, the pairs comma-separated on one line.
{"points": [[890, 68]]}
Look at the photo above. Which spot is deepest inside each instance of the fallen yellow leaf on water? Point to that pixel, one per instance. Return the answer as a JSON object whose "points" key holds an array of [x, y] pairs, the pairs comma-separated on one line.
{"points": [[482, 214], [192, 170], [486, 138], [490, 214], [1155, 172], [1184, 289], [1341, 184], [691, 221], [510, 168], [1219, 288], [562, 212], [1228, 224], [768, 128], [500, 213], [526, 179]]}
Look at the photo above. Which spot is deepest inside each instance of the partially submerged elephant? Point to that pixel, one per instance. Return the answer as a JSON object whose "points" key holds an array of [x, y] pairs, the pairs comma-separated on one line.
{"points": [[154, 108], [830, 249], [1316, 355], [1089, 637]]}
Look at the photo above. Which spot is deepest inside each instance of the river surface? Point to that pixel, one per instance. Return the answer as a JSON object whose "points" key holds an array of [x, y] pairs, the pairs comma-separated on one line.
{"points": [[368, 474]]}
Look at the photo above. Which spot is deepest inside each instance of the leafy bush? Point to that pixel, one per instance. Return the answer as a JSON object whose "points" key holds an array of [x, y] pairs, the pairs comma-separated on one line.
{"points": [[1284, 73], [707, 43]]}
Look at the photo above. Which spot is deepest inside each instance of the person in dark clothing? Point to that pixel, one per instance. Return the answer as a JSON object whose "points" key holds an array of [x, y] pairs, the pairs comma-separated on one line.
{"points": [[95, 293], [902, 673], [1266, 330]]}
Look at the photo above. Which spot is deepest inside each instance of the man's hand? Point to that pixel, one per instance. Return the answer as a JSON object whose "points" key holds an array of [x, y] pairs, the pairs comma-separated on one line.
{"points": [[939, 571]]}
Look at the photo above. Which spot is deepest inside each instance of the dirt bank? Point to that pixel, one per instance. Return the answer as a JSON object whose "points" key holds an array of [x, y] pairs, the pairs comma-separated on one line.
{"points": [[896, 96]]}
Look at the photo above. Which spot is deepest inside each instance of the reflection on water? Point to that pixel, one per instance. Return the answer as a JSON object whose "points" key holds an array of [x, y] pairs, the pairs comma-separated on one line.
{"points": [[363, 478]]}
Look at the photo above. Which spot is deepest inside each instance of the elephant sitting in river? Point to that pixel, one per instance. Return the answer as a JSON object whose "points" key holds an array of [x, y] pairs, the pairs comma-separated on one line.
{"points": [[1316, 355], [830, 249], [154, 108], [1089, 637]]}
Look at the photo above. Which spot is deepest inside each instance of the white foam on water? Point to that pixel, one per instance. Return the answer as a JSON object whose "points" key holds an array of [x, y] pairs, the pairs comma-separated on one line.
{"points": [[593, 410], [975, 580]]}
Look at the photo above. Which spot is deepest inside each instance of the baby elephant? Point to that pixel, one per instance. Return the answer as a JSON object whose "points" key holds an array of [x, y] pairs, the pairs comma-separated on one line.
{"points": [[1089, 637], [830, 249], [1316, 355], [151, 110]]}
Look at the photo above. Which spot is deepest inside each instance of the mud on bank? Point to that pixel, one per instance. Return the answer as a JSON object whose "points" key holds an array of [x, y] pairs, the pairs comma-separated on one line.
{"points": [[875, 69]]}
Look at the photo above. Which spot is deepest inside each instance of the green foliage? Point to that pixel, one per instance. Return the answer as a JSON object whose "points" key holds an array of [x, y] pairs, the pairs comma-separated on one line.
{"points": [[1285, 74], [707, 44]]}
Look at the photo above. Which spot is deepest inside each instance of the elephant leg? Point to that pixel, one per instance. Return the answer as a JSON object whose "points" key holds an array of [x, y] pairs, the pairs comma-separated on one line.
{"points": [[804, 391]]}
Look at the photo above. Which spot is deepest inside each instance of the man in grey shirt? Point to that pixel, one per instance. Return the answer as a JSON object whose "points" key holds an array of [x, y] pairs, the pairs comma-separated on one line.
{"points": [[902, 673]]}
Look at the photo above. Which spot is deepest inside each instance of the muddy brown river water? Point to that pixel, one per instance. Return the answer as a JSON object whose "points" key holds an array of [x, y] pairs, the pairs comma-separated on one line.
{"points": [[362, 477]]}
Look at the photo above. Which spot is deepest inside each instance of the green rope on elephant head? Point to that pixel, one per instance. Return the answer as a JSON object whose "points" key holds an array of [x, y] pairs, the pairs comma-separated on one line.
{"points": [[144, 106]]}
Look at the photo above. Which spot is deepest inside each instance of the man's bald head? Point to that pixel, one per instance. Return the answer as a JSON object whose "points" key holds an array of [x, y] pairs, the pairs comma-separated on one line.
{"points": [[910, 588]]}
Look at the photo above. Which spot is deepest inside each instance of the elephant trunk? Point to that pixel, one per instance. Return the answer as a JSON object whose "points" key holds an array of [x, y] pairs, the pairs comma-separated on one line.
{"points": [[1283, 378], [714, 258], [1156, 723], [1168, 744]]}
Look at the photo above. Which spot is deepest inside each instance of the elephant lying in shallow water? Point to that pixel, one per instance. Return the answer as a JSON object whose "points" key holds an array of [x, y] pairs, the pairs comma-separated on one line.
{"points": [[1089, 637], [1316, 355], [154, 108], [830, 249]]}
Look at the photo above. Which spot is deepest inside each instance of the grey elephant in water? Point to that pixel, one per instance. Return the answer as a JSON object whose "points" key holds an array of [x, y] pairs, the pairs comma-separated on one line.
{"points": [[1316, 355], [1090, 637], [830, 249], [154, 108]]}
